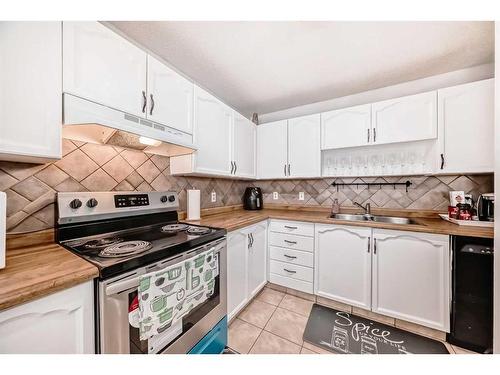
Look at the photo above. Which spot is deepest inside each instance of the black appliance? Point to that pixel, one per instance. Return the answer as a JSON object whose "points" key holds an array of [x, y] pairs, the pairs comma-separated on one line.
{"points": [[486, 207], [252, 199], [129, 234], [472, 296]]}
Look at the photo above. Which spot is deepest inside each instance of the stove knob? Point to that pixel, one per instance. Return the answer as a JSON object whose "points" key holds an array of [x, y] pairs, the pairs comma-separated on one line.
{"points": [[92, 202], [163, 199], [171, 198], [75, 203]]}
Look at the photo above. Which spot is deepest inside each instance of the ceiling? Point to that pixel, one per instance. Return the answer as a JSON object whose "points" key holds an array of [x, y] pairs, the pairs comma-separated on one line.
{"points": [[269, 66]]}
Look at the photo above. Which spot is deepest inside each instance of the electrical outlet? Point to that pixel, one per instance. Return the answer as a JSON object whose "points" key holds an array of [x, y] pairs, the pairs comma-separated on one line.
{"points": [[275, 195], [213, 197], [301, 196]]}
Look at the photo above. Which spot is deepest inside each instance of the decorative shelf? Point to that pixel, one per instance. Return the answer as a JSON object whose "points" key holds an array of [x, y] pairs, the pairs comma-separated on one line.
{"points": [[408, 183]]}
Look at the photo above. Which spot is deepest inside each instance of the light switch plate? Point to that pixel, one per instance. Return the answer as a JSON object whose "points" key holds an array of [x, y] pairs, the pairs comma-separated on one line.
{"points": [[213, 197], [275, 195], [301, 196]]}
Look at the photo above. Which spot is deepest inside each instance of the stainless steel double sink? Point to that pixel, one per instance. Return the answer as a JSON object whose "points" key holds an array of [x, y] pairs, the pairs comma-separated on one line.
{"points": [[374, 218]]}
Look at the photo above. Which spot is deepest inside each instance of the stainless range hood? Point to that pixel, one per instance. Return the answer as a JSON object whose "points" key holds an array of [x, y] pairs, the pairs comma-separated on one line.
{"points": [[86, 121]]}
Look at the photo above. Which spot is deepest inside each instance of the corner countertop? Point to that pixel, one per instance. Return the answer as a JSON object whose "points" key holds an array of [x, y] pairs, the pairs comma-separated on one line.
{"points": [[36, 266], [239, 218]]}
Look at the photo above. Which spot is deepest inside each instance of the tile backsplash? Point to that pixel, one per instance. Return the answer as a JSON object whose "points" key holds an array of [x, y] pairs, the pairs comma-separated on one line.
{"points": [[31, 188]]}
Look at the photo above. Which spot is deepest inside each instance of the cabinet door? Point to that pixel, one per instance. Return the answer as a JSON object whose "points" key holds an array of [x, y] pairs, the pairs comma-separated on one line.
{"points": [[348, 127], [343, 264], [170, 97], [236, 273], [466, 127], [244, 144], [213, 122], [410, 118], [101, 66], [30, 91], [411, 277], [257, 259], [61, 323], [272, 157], [304, 153]]}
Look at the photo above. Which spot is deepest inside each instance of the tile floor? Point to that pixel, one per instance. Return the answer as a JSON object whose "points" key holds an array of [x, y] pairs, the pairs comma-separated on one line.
{"points": [[274, 322]]}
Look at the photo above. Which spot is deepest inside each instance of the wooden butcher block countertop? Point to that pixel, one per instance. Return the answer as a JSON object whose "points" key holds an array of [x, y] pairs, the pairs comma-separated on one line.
{"points": [[36, 266], [426, 221]]}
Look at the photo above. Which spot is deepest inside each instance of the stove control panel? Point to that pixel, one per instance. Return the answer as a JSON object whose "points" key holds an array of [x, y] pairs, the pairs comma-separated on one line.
{"points": [[87, 206], [131, 200]]}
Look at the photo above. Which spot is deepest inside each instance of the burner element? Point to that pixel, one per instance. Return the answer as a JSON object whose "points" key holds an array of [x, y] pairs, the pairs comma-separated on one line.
{"points": [[198, 231], [102, 242], [123, 249], [174, 227]]}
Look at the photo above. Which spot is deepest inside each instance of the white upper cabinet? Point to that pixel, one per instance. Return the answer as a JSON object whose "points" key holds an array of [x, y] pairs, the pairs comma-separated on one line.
{"points": [[304, 154], [466, 128], [170, 97], [213, 122], [343, 264], [272, 150], [411, 277], [30, 91], [410, 118], [244, 147], [101, 66], [348, 127]]}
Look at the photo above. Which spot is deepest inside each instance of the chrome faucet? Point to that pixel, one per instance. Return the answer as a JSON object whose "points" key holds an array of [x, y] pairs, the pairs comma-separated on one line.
{"points": [[366, 208]]}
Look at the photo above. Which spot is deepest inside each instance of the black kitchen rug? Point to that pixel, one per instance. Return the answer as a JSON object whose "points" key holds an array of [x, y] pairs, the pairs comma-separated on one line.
{"points": [[341, 332]]}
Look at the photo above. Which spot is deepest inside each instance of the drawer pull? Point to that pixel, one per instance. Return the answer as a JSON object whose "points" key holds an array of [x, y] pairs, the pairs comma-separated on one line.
{"points": [[291, 242], [290, 227], [284, 269], [289, 256]]}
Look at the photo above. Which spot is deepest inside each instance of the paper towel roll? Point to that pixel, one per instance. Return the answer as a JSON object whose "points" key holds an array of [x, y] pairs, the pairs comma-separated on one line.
{"points": [[193, 204]]}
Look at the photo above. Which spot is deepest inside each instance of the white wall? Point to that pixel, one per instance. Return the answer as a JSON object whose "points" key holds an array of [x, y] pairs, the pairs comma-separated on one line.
{"points": [[457, 77], [496, 268]]}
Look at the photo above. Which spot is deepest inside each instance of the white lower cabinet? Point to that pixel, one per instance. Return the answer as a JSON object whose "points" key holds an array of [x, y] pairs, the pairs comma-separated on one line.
{"points": [[61, 323], [411, 277], [246, 265], [401, 274], [343, 264]]}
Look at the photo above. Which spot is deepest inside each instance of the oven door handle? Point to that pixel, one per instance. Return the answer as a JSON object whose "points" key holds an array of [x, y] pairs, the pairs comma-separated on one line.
{"points": [[122, 286]]}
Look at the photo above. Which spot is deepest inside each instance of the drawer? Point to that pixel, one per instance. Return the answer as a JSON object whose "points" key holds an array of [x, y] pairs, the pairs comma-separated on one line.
{"points": [[292, 227], [292, 271], [288, 282], [302, 258], [291, 241]]}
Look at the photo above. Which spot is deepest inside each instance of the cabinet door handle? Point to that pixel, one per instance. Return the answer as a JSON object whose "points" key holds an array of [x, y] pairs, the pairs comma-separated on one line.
{"points": [[290, 227], [232, 167], [374, 134], [144, 102], [291, 242], [442, 161], [375, 246], [235, 167], [152, 104], [289, 271], [249, 242], [289, 256], [369, 245], [289, 169], [368, 139], [251, 237], [284, 170]]}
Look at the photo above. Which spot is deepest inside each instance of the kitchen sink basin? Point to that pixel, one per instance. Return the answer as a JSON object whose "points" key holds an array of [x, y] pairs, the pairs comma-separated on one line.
{"points": [[379, 219]]}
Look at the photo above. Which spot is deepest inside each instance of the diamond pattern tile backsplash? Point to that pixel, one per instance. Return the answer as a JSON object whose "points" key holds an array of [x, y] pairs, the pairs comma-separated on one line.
{"points": [[31, 188]]}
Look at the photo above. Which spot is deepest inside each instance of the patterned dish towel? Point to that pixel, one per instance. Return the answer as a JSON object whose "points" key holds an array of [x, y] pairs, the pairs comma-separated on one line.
{"points": [[166, 296]]}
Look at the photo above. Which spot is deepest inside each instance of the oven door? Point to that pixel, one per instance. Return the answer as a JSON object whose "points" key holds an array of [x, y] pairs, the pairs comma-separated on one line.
{"points": [[117, 295]]}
